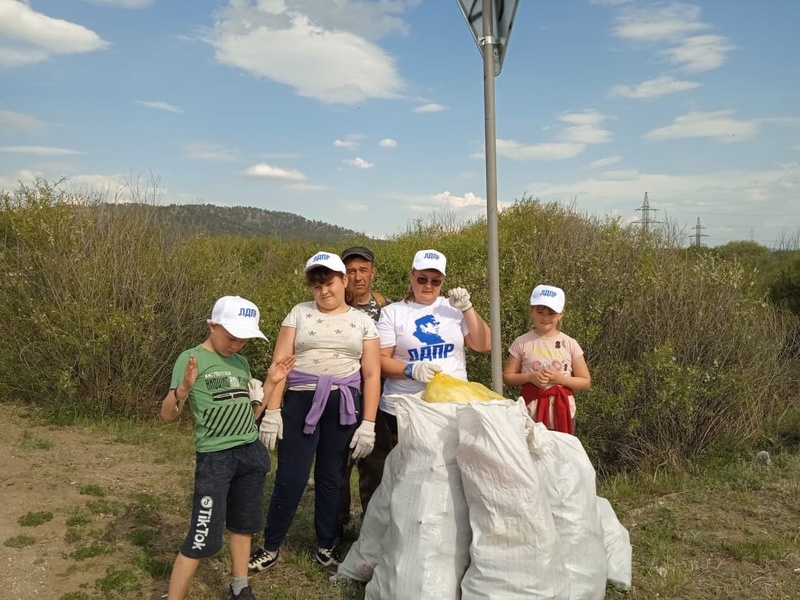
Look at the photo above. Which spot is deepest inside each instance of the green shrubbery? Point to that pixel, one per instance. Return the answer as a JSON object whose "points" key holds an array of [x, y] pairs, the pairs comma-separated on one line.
{"points": [[684, 349]]}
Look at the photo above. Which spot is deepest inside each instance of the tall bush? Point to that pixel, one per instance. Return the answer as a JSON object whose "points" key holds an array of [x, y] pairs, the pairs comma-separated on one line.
{"points": [[95, 304], [684, 348]]}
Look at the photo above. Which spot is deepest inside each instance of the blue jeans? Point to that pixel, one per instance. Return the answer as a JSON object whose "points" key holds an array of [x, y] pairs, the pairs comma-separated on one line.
{"points": [[328, 448]]}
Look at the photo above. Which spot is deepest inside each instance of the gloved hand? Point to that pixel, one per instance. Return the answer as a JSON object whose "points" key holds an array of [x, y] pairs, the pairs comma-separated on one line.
{"points": [[271, 429], [363, 440], [424, 371], [459, 299], [256, 390]]}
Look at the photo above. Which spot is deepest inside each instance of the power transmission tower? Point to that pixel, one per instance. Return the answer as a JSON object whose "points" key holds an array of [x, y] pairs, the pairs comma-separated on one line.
{"points": [[697, 234], [646, 219]]}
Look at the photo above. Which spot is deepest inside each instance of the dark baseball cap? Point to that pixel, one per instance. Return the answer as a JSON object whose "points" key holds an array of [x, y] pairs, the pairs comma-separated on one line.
{"points": [[360, 252]]}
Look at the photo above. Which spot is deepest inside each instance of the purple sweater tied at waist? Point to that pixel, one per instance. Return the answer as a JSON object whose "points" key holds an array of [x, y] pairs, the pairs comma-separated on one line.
{"points": [[324, 383]]}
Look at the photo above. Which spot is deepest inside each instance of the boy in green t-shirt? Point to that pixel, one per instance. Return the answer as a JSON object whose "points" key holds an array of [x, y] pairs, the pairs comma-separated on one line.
{"points": [[231, 464]]}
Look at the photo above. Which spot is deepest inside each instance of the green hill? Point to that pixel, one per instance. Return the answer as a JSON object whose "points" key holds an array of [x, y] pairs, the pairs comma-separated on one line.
{"points": [[245, 221]]}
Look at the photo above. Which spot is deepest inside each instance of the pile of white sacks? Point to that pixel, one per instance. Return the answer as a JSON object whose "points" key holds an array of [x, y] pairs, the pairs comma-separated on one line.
{"points": [[477, 501]]}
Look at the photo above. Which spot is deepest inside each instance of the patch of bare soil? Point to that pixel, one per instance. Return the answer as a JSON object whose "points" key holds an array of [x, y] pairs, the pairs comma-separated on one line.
{"points": [[44, 469]]}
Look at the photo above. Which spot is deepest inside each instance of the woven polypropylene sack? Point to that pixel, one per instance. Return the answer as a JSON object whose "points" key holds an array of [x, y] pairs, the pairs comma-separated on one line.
{"points": [[570, 480], [425, 549], [619, 552], [516, 551], [359, 564]]}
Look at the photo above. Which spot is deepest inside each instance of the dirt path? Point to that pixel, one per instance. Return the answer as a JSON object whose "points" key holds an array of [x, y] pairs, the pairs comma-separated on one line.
{"points": [[45, 469]]}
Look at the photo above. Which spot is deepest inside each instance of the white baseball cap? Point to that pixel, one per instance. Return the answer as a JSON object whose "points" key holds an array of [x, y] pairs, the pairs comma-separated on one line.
{"points": [[238, 316], [430, 259], [326, 259], [548, 295]]}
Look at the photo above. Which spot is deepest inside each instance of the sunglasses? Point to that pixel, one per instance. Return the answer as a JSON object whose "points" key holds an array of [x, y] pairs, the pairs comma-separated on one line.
{"points": [[422, 280]]}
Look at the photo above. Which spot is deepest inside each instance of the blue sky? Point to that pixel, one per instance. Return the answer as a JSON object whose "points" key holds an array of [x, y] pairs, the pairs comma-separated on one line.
{"points": [[369, 113]]}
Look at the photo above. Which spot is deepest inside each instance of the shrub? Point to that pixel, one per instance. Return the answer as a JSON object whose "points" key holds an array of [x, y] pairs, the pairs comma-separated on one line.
{"points": [[685, 349]]}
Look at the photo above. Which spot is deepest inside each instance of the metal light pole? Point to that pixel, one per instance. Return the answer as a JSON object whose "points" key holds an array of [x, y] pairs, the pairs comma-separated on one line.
{"points": [[488, 43], [491, 29]]}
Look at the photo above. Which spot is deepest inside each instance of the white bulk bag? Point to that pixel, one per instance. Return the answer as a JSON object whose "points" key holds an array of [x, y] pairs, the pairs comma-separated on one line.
{"points": [[425, 549], [618, 547], [365, 552], [515, 550], [569, 478]]}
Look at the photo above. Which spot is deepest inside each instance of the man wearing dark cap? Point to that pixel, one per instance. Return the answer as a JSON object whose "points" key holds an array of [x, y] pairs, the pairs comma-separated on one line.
{"points": [[360, 264]]}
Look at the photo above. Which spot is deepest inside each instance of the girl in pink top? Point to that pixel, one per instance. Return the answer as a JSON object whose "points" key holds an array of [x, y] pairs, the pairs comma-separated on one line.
{"points": [[547, 364]]}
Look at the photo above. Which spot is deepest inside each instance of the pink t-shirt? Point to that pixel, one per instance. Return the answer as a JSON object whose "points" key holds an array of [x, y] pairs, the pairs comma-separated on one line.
{"points": [[535, 352]]}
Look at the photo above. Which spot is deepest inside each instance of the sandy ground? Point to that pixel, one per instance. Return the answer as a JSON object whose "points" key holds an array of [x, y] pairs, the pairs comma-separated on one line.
{"points": [[34, 479]]}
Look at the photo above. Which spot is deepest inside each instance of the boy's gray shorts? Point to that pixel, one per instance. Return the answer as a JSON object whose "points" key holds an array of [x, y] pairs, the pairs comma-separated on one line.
{"points": [[228, 491]]}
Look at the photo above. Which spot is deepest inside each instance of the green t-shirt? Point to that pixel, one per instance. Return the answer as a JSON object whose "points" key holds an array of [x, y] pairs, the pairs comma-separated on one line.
{"points": [[219, 400]]}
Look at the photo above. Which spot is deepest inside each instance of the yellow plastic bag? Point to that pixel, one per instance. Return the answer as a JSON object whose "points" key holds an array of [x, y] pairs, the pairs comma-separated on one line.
{"points": [[446, 388]]}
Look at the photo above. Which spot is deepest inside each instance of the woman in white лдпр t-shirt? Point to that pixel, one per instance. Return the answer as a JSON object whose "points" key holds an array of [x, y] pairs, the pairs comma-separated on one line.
{"points": [[425, 333]]}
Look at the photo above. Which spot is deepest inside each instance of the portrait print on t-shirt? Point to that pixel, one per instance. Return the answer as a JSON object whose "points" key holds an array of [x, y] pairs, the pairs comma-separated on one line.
{"points": [[434, 346]]}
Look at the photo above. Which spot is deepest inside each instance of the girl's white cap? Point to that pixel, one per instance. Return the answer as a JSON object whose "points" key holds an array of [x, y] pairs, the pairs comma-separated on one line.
{"points": [[326, 259], [548, 295]]}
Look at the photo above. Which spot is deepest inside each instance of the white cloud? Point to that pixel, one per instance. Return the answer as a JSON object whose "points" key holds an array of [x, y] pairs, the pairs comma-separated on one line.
{"points": [[20, 121], [655, 24], [700, 52], [678, 26], [264, 170], [349, 144], [653, 88], [209, 151], [610, 2], [39, 150], [584, 128], [729, 198], [450, 201], [388, 143], [719, 125], [11, 182], [28, 37], [134, 4], [158, 105], [356, 207], [313, 46], [619, 175], [432, 107], [359, 163], [305, 187], [604, 162], [543, 151]]}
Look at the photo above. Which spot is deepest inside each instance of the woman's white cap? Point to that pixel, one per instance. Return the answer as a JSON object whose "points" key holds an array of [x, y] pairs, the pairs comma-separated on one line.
{"points": [[548, 295], [326, 259], [430, 259], [238, 316]]}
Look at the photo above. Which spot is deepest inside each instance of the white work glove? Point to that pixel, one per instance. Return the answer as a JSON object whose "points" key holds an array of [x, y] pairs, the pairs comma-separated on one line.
{"points": [[363, 440], [271, 429], [424, 371], [459, 299], [256, 390]]}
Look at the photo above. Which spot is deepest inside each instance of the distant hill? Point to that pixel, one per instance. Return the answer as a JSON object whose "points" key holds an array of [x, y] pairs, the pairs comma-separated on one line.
{"points": [[247, 221]]}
